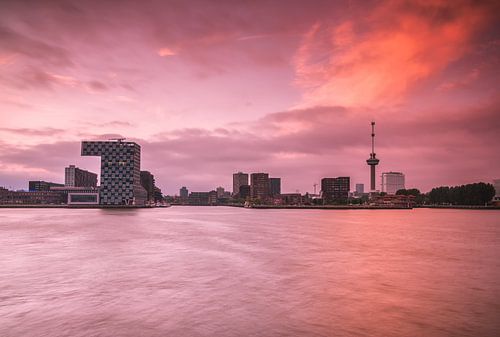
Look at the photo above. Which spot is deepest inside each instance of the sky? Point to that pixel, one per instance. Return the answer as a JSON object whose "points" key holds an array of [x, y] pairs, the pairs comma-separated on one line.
{"points": [[209, 88]]}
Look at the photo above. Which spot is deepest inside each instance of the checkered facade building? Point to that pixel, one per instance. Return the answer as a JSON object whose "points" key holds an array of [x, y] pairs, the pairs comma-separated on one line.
{"points": [[120, 171]]}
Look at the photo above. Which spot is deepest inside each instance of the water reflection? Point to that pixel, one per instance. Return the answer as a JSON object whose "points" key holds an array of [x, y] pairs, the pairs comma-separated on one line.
{"points": [[215, 271]]}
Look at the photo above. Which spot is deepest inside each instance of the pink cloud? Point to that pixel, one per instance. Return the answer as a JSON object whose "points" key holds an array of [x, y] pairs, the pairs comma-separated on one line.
{"points": [[375, 59]]}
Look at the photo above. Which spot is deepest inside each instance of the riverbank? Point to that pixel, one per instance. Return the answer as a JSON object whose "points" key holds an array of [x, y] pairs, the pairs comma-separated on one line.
{"points": [[71, 206], [458, 207]]}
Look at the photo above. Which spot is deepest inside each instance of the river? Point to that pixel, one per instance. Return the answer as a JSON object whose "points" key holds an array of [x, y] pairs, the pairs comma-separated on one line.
{"points": [[221, 271]]}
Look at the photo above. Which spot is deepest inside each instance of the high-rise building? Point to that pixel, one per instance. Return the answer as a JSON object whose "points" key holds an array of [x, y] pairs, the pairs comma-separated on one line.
{"points": [[335, 189], [39, 185], [274, 186], [148, 183], [392, 182], [75, 177], [120, 171], [183, 192], [239, 179], [360, 189], [259, 186]]}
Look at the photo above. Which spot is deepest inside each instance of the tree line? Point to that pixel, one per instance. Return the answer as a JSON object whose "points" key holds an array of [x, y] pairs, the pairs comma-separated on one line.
{"points": [[476, 194]]}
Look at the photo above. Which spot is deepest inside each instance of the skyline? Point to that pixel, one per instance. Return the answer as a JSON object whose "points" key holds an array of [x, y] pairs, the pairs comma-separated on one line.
{"points": [[290, 90]]}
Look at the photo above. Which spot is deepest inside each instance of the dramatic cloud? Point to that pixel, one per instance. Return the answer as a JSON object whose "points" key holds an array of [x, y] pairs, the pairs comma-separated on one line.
{"points": [[285, 87], [377, 58]]}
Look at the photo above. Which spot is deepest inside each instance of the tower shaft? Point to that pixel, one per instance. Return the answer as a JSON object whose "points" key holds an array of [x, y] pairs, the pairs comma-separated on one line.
{"points": [[372, 161]]}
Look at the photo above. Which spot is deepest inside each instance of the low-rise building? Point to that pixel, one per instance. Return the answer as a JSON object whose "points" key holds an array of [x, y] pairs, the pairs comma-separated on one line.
{"points": [[40, 185], [390, 200], [83, 198], [31, 198]]}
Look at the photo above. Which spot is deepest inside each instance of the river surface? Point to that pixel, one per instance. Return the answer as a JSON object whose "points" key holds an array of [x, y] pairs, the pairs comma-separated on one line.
{"points": [[221, 271]]}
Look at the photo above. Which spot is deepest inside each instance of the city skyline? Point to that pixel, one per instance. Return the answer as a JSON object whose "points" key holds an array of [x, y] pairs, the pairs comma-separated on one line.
{"points": [[289, 90]]}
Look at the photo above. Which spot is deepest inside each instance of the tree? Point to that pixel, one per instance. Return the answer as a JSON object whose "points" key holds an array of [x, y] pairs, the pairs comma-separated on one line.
{"points": [[470, 194]]}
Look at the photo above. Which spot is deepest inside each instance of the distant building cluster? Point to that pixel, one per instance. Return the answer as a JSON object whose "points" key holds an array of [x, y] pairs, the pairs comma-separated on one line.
{"points": [[122, 183], [260, 188]]}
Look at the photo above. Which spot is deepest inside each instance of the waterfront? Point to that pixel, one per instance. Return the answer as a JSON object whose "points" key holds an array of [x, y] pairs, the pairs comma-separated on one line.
{"points": [[221, 271]]}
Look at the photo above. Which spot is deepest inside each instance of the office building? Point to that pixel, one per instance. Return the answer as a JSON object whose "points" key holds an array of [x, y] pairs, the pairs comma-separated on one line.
{"points": [[239, 179], [120, 171], [148, 183], [392, 182], [76, 177], [360, 189], [259, 186], [335, 189], [183, 192], [39, 185], [244, 192], [275, 186]]}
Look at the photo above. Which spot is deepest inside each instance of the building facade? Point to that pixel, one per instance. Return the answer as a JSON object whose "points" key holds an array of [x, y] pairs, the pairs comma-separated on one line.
{"points": [[259, 186], [220, 192], [31, 198], [239, 179], [392, 182], [274, 186], [83, 198], [496, 184], [183, 192], [335, 189], [202, 198], [244, 192], [75, 177], [120, 171], [360, 189], [39, 185], [148, 183]]}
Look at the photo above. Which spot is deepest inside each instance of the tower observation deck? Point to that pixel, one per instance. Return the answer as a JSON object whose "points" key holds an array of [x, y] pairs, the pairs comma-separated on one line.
{"points": [[372, 161]]}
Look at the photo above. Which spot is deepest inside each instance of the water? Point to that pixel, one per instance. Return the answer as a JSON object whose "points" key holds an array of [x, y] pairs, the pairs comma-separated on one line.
{"points": [[218, 271]]}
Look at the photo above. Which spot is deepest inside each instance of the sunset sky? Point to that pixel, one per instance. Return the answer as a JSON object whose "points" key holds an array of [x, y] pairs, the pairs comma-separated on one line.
{"points": [[209, 88]]}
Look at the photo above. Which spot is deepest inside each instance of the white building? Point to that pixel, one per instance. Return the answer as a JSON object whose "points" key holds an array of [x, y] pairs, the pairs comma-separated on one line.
{"points": [[496, 184], [392, 182], [360, 189]]}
